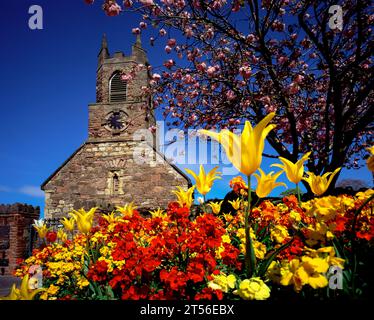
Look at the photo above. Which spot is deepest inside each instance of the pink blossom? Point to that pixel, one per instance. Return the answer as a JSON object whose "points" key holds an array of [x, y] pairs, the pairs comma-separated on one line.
{"points": [[235, 6], [282, 59], [156, 77], [136, 31], [167, 49], [299, 78], [169, 63], [128, 3], [126, 77], [210, 71], [147, 3], [188, 79], [250, 38], [89, 1], [293, 88], [142, 25], [153, 129], [172, 42], [217, 4], [162, 32], [188, 31], [245, 71], [230, 95], [201, 66], [112, 8]]}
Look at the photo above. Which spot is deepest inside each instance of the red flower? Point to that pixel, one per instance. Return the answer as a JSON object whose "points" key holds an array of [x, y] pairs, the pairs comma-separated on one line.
{"points": [[51, 236]]}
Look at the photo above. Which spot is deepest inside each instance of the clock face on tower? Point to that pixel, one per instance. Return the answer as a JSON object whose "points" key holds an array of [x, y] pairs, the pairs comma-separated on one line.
{"points": [[116, 121]]}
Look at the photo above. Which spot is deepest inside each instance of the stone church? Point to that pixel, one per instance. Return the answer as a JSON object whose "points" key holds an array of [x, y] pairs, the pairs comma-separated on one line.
{"points": [[103, 171]]}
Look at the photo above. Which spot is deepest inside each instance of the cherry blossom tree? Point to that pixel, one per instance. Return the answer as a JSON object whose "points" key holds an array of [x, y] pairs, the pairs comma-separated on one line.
{"points": [[232, 60]]}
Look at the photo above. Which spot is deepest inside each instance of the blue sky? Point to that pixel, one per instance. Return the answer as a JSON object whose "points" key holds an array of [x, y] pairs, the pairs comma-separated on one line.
{"points": [[47, 82]]}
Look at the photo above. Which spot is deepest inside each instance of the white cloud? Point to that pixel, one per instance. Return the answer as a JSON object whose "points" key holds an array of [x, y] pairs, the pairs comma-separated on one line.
{"points": [[33, 191]]}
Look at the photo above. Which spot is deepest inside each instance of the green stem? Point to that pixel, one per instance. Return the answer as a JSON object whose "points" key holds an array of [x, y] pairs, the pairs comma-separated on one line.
{"points": [[298, 193], [250, 257]]}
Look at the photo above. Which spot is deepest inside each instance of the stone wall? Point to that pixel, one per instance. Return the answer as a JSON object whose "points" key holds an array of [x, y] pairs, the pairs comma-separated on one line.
{"points": [[15, 233], [106, 174]]}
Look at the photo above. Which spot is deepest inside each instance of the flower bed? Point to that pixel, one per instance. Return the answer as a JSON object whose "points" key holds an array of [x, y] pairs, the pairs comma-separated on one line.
{"points": [[169, 256], [257, 251]]}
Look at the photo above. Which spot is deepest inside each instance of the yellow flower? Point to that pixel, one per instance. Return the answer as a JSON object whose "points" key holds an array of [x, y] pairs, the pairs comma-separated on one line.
{"points": [[279, 233], [62, 235], [216, 206], [222, 282], [127, 210], [185, 198], [370, 160], [68, 223], [260, 250], [159, 213], [52, 290], [235, 204], [228, 217], [110, 217], [319, 184], [23, 293], [253, 289], [41, 228], [204, 182], [294, 171], [82, 282], [307, 271], [83, 219], [295, 216], [267, 182], [245, 151]]}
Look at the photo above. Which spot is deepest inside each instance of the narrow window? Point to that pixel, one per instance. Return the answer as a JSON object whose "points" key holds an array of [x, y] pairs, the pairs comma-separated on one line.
{"points": [[115, 187], [117, 88]]}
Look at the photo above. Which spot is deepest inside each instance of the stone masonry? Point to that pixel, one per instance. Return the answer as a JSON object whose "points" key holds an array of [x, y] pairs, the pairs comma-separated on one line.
{"points": [[109, 168], [15, 234]]}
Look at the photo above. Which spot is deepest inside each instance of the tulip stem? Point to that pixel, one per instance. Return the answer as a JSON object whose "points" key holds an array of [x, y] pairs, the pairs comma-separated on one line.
{"points": [[298, 193], [250, 257]]}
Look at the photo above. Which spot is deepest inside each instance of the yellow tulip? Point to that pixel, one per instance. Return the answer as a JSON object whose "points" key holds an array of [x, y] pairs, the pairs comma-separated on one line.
{"points": [[235, 203], [370, 160], [294, 171], [185, 198], [83, 219], [319, 184], [267, 182], [62, 235], [204, 181], [24, 292], [216, 206], [110, 217], [159, 213], [245, 151], [127, 210], [68, 223], [41, 228]]}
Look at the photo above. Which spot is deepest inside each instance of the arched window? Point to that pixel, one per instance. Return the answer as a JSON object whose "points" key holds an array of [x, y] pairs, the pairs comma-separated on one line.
{"points": [[117, 88], [115, 186]]}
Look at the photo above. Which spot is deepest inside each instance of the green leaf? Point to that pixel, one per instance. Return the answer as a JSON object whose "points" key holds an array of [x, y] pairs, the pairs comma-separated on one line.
{"points": [[265, 265]]}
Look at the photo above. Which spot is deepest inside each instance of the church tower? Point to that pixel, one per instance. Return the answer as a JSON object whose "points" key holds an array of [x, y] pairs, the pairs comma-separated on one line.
{"points": [[105, 172]]}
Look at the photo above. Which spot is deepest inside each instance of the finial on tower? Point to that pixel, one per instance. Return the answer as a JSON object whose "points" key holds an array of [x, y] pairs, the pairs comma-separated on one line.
{"points": [[104, 52], [138, 42], [104, 42]]}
